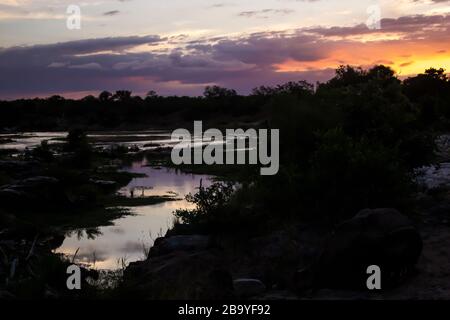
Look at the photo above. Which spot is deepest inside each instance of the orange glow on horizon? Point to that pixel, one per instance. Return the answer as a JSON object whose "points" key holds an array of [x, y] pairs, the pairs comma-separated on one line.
{"points": [[404, 58]]}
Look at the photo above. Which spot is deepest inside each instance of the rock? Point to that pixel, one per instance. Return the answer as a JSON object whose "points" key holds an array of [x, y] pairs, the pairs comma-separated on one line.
{"points": [[37, 193], [382, 237], [39, 181], [340, 295], [274, 258], [179, 276], [55, 241], [11, 196], [167, 245], [5, 295], [247, 288], [34, 184], [278, 295], [14, 165], [440, 210], [304, 278]]}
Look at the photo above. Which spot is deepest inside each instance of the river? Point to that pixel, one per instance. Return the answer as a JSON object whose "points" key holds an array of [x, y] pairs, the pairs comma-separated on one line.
{"points": [[129, 238]]}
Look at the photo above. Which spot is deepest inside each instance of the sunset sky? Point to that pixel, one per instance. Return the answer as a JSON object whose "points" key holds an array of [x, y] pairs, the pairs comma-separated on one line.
{"points": [[180, 46]]}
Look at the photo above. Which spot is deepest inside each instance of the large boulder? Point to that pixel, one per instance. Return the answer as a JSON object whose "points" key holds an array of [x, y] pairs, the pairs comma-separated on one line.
{"points": [[180, 275], [382, 237], [171, 244], [33, 193], [180, 267], [247, 288]]}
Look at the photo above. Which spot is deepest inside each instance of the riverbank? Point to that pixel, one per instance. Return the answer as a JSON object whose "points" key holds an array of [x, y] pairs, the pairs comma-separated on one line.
{"points": [[310, 260], [51, 190], [188, 262]]}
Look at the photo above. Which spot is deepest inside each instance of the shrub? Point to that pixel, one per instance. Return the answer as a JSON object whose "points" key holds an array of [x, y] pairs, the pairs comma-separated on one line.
{"points": [[348, 174], [210, 203]]}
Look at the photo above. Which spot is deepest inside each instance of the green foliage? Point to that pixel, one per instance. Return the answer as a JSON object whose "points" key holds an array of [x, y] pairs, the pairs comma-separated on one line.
{"points": [[210, 203]]}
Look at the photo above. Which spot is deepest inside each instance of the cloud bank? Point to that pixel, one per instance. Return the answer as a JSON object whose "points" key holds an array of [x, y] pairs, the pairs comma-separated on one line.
{"points": [[181, 65]]}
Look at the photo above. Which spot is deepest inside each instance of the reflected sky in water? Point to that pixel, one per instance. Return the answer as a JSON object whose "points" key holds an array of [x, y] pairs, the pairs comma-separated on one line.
{"points": [[131, 236], [29, 139], [145, 140]]}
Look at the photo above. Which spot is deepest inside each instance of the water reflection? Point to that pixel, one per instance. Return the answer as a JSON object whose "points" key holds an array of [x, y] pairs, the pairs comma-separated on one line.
{"points": [[130, 237], [29, 139], [144, 140]]}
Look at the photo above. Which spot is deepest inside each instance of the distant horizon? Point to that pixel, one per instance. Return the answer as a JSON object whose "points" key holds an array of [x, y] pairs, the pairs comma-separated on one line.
{"points": [[80, 95]]}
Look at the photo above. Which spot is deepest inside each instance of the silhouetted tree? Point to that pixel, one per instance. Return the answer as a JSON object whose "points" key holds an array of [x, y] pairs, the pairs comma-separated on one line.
{"points": [[104, 96], [431, 83], [122, 95], [151, 94], [263, 91], [346, 76], [430, 91], [382, 73], [55, 98], [298, 88], [215, 92], [89, 98]]}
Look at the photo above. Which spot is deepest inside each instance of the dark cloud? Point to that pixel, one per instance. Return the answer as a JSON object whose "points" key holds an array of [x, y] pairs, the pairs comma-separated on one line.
{"points": [[265, 13], [41, 53], [81, 65], [241, 62], [412, 26], [111, 13]]}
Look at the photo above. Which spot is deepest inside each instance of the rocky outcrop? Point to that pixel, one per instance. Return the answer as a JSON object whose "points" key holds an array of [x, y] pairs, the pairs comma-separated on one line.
{"points": [[180, 243], [37, 193], [382, 237], [180, 267], [193, 267], [247, 288], [14, 165]]}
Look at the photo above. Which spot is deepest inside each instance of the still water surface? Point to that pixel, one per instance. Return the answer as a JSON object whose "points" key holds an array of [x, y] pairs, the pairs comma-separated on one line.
{"points": [[131, 236]]}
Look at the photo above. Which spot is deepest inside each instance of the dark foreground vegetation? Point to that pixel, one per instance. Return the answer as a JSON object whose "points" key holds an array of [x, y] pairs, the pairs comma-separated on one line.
{"points": [[346, 145]]}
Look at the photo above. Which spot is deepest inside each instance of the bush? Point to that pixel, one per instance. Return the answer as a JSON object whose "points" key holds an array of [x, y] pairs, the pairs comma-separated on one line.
{"points": [[210, 203], [348, 174], [78, 144], [43, 152]]}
